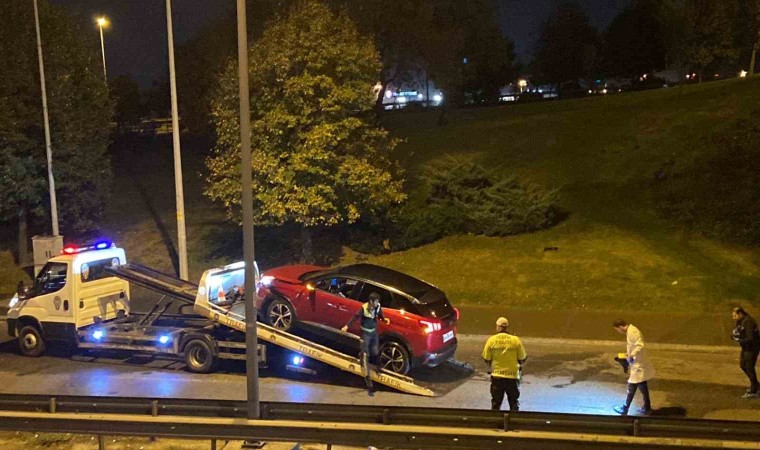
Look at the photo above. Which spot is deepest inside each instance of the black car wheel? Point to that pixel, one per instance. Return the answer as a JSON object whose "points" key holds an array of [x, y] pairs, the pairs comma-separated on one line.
{"points": [[395, 357], [30, 341], [199, 357], [280, 314]]}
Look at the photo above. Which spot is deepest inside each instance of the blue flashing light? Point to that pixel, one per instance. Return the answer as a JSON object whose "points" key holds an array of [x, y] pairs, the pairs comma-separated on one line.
{"points": [[102, 244], [163, 339], [97, 334], [297, 360]]}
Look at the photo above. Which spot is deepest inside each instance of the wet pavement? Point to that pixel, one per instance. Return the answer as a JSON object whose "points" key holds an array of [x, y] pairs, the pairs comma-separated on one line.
{"points": [[560, 376]]}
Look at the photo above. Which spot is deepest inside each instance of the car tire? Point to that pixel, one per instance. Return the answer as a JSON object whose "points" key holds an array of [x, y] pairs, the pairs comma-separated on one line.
{"points": [[394, 357], [30, 341], [280, 314], [199, 357]]}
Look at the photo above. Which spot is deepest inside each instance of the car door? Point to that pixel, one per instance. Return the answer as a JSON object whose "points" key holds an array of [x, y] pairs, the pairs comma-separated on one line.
{"points": [[360, 296], [331, 302]]}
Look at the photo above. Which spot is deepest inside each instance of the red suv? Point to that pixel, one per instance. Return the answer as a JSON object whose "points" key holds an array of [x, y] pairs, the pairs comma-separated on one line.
{"points": [[422, 330]]}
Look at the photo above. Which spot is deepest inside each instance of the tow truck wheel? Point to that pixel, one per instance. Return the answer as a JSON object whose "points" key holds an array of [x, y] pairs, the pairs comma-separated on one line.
{"points": [[199, 357], [280, 314], [394, 357], [30, 341]]}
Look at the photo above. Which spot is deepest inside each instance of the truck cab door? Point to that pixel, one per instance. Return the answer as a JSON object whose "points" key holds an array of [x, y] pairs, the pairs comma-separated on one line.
{"points": [[50, 297]]}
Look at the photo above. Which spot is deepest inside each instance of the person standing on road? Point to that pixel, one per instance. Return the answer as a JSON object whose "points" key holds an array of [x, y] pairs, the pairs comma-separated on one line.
{"points": [[747, 335], [640, 367], [369, 314], [504, 353]]}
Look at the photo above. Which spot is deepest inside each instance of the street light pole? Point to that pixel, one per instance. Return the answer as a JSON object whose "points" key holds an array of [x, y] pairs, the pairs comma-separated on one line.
{"points": [[102, 21], [251, 340], [51, 180], [179, 194]]}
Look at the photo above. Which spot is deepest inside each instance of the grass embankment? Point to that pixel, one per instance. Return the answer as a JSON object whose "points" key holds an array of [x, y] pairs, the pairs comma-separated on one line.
{"points": [[613, 252]]}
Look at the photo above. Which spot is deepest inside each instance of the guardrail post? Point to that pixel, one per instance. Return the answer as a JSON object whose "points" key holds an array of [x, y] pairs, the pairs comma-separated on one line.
{"points": [[52, 405], [636, 427], [213, 444], [506, 421], [101, 442], [386, 416], [154, 413]]}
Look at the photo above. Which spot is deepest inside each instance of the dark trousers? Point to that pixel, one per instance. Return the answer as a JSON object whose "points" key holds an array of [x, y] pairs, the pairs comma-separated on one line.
{"points": [[508, 386], [370, 346], [747, 361], [644, 388]]}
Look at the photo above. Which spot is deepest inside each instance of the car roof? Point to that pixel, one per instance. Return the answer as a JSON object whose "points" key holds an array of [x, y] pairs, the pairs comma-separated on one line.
{"points": [[389, 277]]}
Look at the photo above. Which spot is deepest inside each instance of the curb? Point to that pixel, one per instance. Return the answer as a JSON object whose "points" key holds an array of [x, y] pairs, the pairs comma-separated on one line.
{"points": [[589, 342]]}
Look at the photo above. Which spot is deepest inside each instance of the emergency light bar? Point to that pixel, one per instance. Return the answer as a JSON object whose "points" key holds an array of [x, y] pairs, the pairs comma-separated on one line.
{"points": [[98, 245]]}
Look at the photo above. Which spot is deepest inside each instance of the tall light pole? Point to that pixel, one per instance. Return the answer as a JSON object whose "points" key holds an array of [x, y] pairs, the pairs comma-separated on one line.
{"points": [[103, 22], [51, 180], [179, 194], [251, 339]]}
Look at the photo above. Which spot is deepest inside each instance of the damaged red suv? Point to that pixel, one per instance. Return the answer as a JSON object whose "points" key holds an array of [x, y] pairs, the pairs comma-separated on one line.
{"points": [[422, 330]]}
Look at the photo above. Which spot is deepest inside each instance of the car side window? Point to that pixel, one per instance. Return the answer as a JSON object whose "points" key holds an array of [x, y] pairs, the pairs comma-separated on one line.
{"points": [[340, 286], [51, 278], [387, 299]]}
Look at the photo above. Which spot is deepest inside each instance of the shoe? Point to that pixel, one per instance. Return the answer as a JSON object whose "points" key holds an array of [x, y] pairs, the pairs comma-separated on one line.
{"points": [[750, 394], [644, 411], [622, 410], [371, 392]]}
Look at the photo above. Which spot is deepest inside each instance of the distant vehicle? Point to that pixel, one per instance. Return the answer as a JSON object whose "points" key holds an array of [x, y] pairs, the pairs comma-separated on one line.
{"points": [[422, 330]]}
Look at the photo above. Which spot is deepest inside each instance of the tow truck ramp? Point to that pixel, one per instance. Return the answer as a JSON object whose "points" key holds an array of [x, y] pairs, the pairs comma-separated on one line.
{"points": [[222, 279]]}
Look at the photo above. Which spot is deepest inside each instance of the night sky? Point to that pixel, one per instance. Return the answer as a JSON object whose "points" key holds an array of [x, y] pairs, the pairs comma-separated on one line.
{"points": [[136, 38]]}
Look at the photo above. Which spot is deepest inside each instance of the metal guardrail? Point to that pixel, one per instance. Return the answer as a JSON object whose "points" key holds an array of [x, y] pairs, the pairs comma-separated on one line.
{"points": [[398, 427]]}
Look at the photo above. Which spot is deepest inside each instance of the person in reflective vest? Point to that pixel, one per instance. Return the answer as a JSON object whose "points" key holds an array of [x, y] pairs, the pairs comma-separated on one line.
{"points": [[505, 354], [368, 315]]}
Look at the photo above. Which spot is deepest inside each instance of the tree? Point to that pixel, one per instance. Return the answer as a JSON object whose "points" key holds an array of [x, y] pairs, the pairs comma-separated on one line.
{"points": [[317, 160], [79, 110], [709, 38], [567, 48], [634, 42], [125, 95]]}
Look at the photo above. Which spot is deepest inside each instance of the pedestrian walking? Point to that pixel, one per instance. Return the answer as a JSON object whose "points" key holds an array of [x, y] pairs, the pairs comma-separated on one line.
{"points": [[369, 314], [748, 336], [640, 369], [505, 354]]}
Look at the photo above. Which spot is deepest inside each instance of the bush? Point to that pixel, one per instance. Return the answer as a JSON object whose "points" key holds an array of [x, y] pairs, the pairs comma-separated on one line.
{"points": [[466, 198]]}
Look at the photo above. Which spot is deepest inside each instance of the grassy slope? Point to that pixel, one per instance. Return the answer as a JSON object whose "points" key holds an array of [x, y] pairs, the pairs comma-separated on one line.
{"points": [[602, 154]]}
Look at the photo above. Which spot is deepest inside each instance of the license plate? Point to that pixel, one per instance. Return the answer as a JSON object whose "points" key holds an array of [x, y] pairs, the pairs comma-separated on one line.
{"points": [[448, 336]]}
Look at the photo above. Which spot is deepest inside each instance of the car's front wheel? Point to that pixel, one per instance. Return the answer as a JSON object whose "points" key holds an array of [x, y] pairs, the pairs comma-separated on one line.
{"points": [[280, 314], [395, 357]]}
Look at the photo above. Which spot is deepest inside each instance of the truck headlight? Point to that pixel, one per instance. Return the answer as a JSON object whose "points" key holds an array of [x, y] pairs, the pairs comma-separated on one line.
{"points": [[13, 302]]}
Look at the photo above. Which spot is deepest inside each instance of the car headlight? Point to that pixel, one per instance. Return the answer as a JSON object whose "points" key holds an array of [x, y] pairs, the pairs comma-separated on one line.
{"points": [[13, 302], [266, 280]]}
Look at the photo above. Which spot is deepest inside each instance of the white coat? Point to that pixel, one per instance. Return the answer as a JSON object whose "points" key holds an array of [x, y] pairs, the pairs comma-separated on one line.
{"points": [[641, 368]]}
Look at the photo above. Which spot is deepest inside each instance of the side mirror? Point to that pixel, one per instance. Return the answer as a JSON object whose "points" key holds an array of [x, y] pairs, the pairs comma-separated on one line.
{"points": [[21, 290]]}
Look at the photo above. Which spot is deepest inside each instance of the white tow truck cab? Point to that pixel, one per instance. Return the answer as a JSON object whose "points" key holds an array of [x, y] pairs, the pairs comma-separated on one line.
{"points": [[71, 292]]}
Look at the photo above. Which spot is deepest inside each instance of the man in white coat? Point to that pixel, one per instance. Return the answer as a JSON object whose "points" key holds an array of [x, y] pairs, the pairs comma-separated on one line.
{"points": [[641, 369]]}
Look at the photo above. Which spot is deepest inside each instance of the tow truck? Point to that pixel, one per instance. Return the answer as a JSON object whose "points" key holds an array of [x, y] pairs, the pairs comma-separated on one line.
{"points": [[81, 298]]}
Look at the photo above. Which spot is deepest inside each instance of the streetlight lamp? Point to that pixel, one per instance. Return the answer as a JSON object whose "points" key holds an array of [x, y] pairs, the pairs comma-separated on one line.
{"points": [[103, 22]]}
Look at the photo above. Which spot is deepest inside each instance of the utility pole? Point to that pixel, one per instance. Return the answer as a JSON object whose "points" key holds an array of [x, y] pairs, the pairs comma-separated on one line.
{"points": [[251, 340], [179, 194], [51, 180]]}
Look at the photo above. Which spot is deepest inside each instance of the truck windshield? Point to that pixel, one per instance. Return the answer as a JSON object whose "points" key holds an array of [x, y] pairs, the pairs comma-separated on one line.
{"points": [[51, 278]]}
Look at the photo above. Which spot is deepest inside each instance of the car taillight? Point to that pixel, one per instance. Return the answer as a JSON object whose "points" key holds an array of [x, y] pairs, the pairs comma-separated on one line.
{"points": [[430, 326], [456, 313]]}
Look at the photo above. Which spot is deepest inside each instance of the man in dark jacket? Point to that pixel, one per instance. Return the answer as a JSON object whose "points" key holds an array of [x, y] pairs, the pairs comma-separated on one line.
{"points": [[368, 315], [747, 335]]}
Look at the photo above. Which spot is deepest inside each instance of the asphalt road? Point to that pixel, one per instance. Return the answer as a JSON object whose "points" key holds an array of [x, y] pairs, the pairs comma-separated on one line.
{"points": [[560, 376]]}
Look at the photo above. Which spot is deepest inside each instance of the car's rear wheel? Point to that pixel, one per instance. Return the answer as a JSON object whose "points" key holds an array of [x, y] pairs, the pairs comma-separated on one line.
{"points": [[280, 314], [395, 357]]}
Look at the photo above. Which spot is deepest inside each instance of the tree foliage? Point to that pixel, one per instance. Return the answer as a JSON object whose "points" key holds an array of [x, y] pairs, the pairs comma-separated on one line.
{"points": [[634, 42], [316, 159], [127, 101], [79, 111], [709, 37], [568, 46]]}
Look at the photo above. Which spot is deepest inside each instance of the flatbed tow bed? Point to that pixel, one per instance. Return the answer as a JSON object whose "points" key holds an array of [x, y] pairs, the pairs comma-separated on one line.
{"points": [[232, 321]]}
